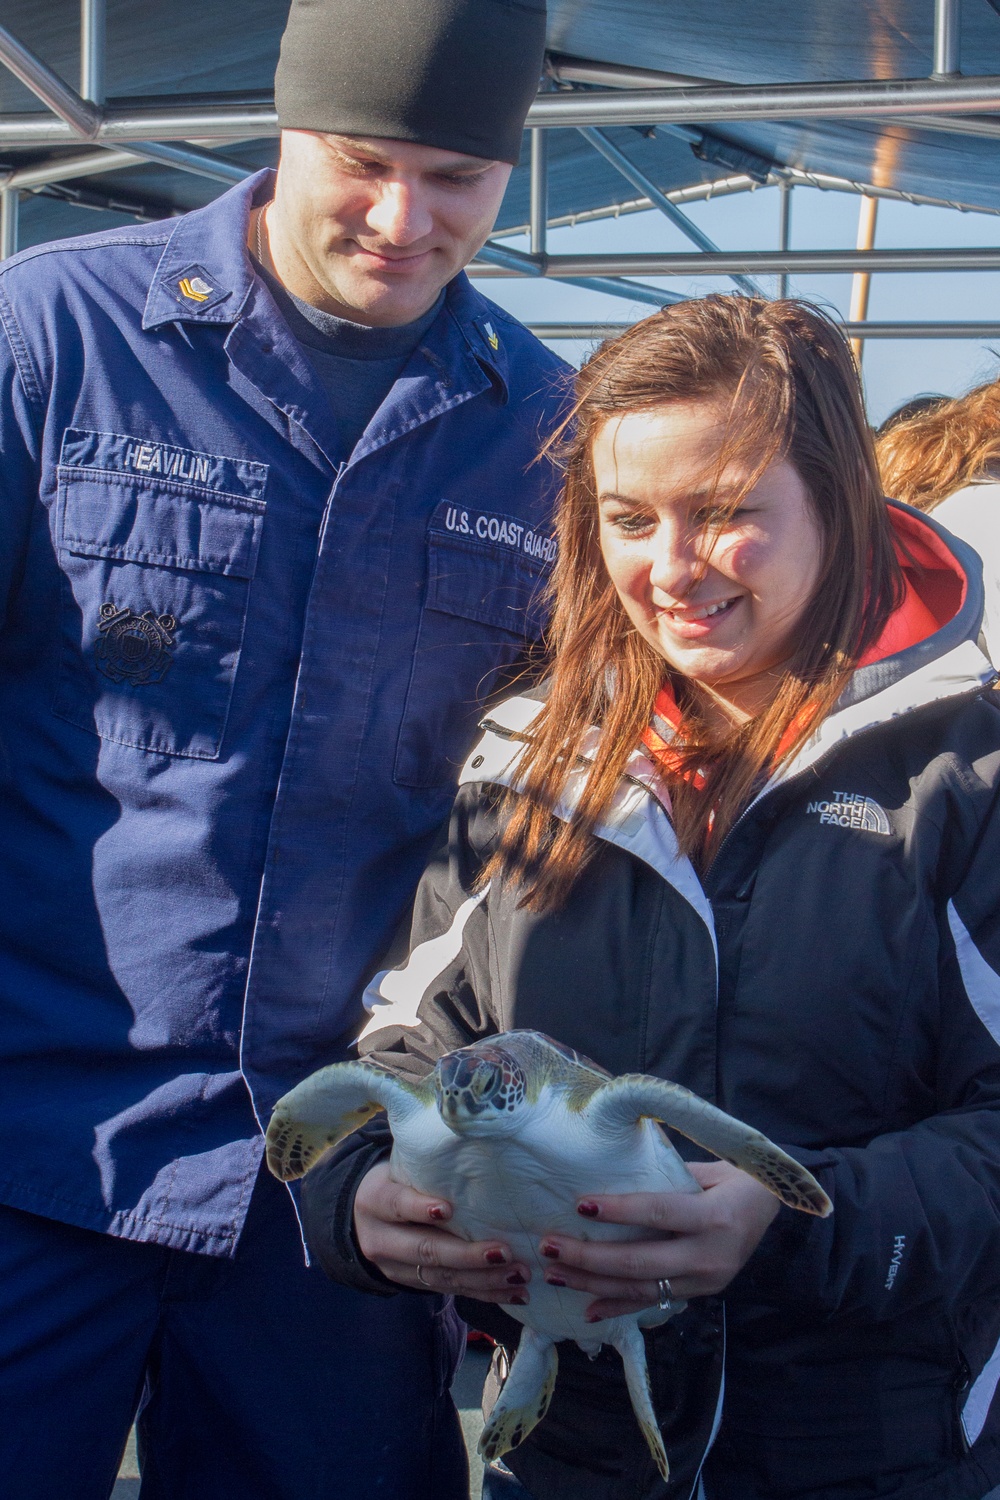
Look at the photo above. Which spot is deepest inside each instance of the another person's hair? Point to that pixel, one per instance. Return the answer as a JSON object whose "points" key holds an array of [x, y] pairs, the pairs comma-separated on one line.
{"points": [[932, 453], [914, 407], [785, 381]]}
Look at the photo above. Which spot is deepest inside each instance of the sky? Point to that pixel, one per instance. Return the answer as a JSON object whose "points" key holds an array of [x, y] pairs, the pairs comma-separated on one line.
{"points": [[893, 370]]}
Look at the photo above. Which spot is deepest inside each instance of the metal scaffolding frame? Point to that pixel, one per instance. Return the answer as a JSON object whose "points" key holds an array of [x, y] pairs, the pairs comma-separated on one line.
{"points": [[728, 262], [865, 330], [607, 148], [913, 100], [580, 94], [739, 182]]}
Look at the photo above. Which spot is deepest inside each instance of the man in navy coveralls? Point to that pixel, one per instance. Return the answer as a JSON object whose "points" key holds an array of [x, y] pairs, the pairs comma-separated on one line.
{"points": [[270, 530]]}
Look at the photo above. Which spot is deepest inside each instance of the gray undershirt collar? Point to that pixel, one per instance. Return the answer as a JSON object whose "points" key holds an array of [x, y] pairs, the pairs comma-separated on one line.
{"points": [[332, 335], [357, 366]]}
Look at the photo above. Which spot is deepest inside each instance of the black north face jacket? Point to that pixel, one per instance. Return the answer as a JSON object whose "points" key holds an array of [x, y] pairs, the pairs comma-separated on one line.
{"points": [[835, 982]]}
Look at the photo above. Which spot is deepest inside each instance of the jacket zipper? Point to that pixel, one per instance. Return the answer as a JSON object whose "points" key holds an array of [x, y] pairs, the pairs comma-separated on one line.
{"points": [[960, 1386]]}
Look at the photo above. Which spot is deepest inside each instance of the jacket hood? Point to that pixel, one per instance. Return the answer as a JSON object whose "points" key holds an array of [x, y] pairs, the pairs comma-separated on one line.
{"points": [[943, 580], [936, 584], [929, 650]]}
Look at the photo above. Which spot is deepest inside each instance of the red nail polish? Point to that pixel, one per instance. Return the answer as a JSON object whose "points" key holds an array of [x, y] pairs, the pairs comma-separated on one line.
{"points": [[589, 1210], [495, 1258], [516, 1279], [552, 1251], [555, 1280], [518, 1301], [436, 1212]]}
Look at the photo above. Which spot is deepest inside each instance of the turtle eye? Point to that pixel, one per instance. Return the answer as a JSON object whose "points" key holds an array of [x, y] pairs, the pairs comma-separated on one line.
{"points": [[486, 1080]]}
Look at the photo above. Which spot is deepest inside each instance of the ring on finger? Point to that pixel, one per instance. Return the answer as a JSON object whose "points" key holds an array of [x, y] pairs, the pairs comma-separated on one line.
{"points": [[663, 1287], [422, 1278]]}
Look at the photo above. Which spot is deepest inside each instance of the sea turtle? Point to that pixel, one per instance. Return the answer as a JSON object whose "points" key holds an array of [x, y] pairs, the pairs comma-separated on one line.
{"points": [[512, 1131]]}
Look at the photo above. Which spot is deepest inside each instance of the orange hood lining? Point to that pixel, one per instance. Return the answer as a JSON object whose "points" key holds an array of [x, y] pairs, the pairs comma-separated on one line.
{"points": [[935, 586]]}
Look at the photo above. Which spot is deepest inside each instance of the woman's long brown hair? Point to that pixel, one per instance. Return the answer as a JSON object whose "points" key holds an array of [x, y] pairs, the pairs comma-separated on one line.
{"points": [[927, 457], [785, 376]]}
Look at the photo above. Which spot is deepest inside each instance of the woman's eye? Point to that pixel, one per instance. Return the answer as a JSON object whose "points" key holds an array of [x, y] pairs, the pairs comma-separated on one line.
{"points": [[632, 525], [718, 515]]}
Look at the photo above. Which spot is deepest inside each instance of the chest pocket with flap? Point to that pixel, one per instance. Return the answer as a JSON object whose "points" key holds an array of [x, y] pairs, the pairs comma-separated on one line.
{"points": [[155, 586], [483, 608]]}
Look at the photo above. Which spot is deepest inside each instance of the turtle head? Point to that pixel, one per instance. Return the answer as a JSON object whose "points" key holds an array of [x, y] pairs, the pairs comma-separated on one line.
{"points": [[479, 1089]]}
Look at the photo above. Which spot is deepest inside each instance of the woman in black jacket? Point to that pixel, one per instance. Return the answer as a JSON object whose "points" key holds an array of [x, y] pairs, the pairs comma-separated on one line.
{"points": [[745, 838]]}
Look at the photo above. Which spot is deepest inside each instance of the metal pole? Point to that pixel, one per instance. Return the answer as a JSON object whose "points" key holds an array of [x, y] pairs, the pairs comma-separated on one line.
{"points": [[9, 204], [861, 284], [658, 199], [760, 262], [93, 33], [736, 103], [947, 38], [539, 194], [784, 229], [500, 259], [632, 291], [80, 164], [192, 159], [871, 330], [617, 76]]}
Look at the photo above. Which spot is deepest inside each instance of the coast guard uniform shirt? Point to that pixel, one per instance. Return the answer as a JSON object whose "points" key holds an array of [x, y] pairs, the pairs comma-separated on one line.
{"points": [[236, 677]]}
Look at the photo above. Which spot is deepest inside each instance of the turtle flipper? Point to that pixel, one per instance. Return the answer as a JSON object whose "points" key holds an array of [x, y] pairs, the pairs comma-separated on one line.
{"points": [[525, 1397], [631, 1346], [329, 1105], [625, 1101]]}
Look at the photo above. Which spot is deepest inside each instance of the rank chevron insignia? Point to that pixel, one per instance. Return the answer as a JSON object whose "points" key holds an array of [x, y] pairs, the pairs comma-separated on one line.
{"points": [[194, 288]]}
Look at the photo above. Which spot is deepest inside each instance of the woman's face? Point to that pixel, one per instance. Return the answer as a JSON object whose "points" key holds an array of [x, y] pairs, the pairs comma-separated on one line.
{"points": [[722, 608]]}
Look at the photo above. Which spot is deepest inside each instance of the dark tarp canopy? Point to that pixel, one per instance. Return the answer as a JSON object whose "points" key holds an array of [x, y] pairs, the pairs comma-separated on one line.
{"points": [[216, 48]]}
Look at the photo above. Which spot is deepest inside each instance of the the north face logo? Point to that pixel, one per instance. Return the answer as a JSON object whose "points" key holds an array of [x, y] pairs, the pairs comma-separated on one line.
{"points": [[852, 810]]}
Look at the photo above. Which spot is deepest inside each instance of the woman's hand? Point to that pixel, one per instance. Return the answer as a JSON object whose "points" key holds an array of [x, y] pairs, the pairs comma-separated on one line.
{"points": [[699, 1241], [400, 1231]]}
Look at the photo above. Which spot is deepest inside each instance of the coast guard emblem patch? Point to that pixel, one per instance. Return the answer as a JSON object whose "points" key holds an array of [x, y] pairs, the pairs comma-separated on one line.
{"points": [[134, 648]]}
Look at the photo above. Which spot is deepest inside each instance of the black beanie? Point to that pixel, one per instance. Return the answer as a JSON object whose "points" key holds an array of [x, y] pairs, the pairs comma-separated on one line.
{"points": [[459, 74]]}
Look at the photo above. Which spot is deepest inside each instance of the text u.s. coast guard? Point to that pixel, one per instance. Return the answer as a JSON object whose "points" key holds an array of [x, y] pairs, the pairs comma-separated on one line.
{"points": [[502, 530]]}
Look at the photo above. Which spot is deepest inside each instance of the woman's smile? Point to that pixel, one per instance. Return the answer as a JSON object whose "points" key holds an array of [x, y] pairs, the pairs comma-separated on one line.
{"points": [[694, 621]]}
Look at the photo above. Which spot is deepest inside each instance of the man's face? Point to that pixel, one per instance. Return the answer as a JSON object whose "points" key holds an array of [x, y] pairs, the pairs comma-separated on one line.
{"points": [[371, 230]]}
